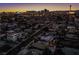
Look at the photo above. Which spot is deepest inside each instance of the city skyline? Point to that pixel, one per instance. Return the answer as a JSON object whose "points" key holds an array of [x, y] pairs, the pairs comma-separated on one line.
{"points": [[22, 7]]}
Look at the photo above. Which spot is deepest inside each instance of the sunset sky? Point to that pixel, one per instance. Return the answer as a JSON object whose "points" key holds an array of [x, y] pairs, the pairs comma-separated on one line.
{"points": [[13, 7]]}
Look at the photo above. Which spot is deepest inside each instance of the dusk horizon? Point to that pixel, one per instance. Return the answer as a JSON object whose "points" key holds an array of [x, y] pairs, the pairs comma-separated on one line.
{"points": [[22, 7]]}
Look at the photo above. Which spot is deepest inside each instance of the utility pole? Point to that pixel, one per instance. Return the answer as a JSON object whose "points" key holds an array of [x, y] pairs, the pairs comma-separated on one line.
{"points": [[70, 7], [70, 12]]}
